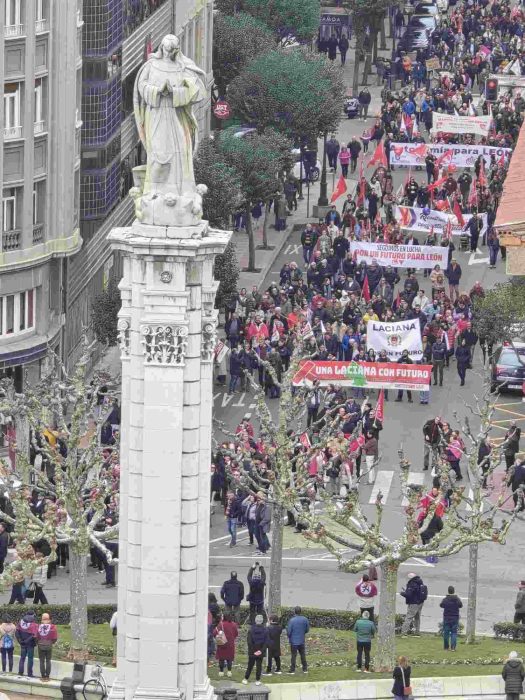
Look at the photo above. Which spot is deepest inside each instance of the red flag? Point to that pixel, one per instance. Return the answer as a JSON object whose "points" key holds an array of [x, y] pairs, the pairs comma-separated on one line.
{"points": [[482, 177], [473, 195], [436, 184], [458, 214], [379, 156], [420, 150], [339, 190], [305, 440], [148, 48], [397, 301], [362, 183], [380, 407], [447, 232], [365, 292], [447, 154], [501, 161]]}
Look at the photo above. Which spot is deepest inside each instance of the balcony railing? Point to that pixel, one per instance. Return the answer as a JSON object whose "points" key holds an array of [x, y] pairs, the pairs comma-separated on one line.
{"points": [[40, 127], [11, 30], [38, 234], [41, 26], [12, 132], [11, 240]]}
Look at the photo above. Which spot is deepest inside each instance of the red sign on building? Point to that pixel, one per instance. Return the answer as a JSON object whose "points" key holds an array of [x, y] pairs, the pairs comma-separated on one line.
{"points": [[222, 109]]}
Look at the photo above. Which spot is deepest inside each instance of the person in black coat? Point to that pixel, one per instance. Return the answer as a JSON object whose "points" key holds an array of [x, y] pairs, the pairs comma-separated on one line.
{"points": [[274, 645], [405, 359], [257, 645], [516, 481], [401, 676], [257, 583], [232, 593], [451, 605], [4, 542], [463, 360]]}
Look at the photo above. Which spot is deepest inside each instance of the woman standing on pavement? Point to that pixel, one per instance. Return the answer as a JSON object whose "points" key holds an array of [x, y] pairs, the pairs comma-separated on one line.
{"points": [[225, 635], [401, 676]]}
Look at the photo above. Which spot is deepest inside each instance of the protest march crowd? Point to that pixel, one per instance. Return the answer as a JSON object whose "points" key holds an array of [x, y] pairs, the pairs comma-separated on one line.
{"points": [[380, 299]]}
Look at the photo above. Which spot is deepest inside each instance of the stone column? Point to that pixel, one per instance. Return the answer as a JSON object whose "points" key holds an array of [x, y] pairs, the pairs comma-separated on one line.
{"points": [[167, 336]]}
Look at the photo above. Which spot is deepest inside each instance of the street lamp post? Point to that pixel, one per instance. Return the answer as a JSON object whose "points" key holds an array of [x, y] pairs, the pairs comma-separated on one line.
{"points": [[323, 196]]}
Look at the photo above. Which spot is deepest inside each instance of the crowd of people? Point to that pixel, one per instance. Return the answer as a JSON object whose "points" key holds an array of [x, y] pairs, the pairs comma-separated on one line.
{"points": [[30, 636]]}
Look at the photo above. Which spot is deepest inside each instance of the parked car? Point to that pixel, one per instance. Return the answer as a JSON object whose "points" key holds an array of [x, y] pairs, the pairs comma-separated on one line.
{"points": [[426, 9], [508, 367], [422, 22], [307, 169]]}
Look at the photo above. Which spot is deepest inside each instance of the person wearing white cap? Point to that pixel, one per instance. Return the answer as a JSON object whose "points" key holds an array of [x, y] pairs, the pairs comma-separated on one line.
{"points": [[415, 595], [513, 674]]}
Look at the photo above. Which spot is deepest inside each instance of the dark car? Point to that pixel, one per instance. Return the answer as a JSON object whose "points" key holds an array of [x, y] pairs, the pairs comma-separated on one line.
{"points": [[414, 39], [428, 9], [508, 367], [422, 22]]}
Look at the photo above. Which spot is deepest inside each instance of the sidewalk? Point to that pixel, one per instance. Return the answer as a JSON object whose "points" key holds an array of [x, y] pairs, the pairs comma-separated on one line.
{"points": [[264, 259]]}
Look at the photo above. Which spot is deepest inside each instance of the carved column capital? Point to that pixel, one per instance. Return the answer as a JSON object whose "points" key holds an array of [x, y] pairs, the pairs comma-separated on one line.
{"points": [[209, 338], [164, 344], [123, 330]]}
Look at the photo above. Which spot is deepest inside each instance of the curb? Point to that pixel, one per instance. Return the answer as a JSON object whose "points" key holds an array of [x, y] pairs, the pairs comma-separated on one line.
{"points": [[315, 564], [257, 278]]}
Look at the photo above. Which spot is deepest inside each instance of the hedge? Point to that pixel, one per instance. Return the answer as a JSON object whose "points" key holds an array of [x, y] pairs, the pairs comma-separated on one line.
{"points": [[100, 614], [509, 630], [60, 614]]}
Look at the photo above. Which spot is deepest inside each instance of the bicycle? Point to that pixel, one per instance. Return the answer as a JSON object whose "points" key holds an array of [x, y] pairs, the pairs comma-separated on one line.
{"points": [[96, 685]]}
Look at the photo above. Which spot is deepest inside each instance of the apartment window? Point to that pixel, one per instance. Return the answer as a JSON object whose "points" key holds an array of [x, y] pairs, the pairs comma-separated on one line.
{"points": [[17, 312], [38, 101], [39, 10], [9, 210], [35, 207], [12, 12], [11, 105]]}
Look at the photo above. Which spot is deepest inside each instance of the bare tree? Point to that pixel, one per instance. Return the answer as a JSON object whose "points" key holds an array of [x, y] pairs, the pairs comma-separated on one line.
{"points": [[77, 478], [341, 526]]}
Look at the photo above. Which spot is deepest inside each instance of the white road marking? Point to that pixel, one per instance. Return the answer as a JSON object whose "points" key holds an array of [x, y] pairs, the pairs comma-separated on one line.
{"points": [[216, 396], [226, 398], [227, 537], [416, 478], [473, 261], [240, 403], [382, 484], [252, 405], [442, 596], [292, 249]]}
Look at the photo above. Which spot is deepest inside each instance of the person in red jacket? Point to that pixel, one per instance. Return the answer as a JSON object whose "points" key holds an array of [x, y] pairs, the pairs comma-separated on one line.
{"points": [[225, 653], [45, 639]]}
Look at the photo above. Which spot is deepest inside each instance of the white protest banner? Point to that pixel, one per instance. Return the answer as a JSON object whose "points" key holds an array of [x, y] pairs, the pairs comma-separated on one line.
{"points": [[410, 155], [395, 338], [415, 219], [408, 256], [456, 124]]}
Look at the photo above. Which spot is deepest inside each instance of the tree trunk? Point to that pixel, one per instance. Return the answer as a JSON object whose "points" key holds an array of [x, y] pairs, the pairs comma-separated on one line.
{"points": [[382, 45], [358, 49], [472, 592], [374, 49], [266, 224], [276, 560], [384, 658], [78, 598], [367, 67], [22, 435], [390, 23], [251, 241]]}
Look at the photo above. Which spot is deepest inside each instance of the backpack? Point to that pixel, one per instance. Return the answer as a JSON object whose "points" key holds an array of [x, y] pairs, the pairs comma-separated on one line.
{"points": [[423, 593], [7, 641]]}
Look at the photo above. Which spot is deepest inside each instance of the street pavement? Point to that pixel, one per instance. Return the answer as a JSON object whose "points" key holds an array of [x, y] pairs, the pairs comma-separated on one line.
{"points": [[310, 577]]}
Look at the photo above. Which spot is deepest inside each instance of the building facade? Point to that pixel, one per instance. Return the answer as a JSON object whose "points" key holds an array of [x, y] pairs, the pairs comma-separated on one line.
{"points": [[40, 102], [117, 36]]}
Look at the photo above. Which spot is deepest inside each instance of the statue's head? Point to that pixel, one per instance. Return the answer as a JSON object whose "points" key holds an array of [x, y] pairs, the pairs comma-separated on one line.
{"points": [[170, 47]]}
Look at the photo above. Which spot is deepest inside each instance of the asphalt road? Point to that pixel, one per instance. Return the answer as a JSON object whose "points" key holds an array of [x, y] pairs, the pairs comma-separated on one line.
{"points": [[310, 576]]}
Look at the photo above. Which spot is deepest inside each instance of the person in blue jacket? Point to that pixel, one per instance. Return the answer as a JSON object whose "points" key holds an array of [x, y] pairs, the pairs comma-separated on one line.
{"points": [[297, 628]]}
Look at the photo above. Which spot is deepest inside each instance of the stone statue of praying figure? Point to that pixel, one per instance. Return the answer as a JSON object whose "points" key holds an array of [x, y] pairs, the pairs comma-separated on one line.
{"points": [[166, 88]]}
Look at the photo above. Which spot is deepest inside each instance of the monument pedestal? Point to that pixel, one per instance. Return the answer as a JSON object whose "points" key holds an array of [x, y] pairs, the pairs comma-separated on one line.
{"points": [[167, 334]]}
